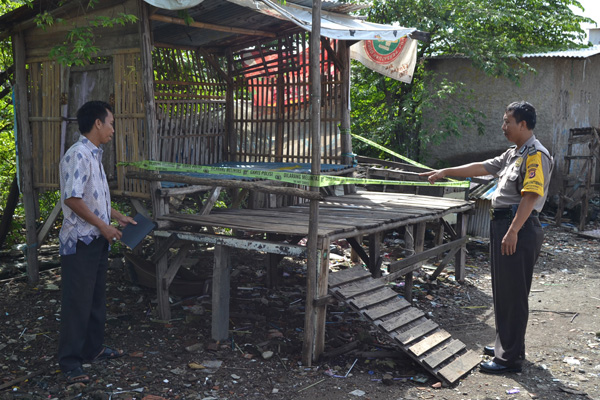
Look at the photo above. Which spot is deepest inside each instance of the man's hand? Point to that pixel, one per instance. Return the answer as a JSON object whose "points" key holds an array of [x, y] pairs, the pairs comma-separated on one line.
{"points": [[433, 176], [110, 233], [509, 243], [125, 220]]}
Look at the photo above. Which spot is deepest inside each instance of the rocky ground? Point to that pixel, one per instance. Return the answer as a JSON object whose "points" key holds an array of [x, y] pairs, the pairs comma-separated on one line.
{"points": [[176, 359]]}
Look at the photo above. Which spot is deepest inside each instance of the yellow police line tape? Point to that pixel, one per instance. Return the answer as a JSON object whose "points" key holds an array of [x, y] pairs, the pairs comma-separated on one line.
{"points": [[281, 175], [400, 156]]}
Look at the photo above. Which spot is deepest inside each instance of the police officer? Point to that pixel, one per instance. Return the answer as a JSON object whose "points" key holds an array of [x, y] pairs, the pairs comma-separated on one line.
{"points": [[516, 235]]}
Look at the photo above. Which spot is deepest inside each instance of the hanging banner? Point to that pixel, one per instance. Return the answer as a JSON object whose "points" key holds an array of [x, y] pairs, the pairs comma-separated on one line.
{"points": [[174, 4], [395, 59]]}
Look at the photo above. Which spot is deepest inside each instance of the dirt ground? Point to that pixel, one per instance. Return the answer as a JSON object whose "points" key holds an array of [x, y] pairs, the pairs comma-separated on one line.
{"points": [[176, 359]]}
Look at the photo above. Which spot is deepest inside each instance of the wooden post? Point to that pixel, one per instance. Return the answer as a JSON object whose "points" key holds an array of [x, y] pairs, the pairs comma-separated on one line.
{"points": [[322, 287], [439, 235], [24, 148], [346, 139], [220, 294], [418, 245], [409, 244], [65, 72], [462, 220], [375, 254], [230, 139], [311, 329], [158, 203]]}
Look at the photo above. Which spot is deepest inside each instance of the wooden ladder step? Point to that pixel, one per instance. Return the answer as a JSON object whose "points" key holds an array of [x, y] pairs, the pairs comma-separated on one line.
{"points": [[429, 343], [419, 337], [399, 321], [435, 359], [459, 367], [373, 298], [416, 332], [347, 276], [389, 307], [359, 287]]}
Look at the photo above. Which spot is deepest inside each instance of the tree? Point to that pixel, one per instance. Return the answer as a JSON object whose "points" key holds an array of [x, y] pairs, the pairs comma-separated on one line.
{"points": [[492, 34]]}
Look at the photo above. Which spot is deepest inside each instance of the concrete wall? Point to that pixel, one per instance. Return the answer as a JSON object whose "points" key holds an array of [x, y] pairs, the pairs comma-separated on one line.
{"points": [[565, 92]]}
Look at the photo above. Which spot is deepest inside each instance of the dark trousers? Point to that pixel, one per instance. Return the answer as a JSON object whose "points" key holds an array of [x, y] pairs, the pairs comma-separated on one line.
{"points": [[83, 307], [511, 282]]}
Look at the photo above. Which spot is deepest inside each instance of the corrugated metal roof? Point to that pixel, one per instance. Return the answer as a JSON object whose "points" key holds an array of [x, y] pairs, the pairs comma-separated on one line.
{"points": [[484, 191], [577, 53], [332, 6]]}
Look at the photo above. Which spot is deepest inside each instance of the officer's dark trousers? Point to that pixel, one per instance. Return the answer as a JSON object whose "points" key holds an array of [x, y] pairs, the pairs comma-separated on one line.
{"points": [[511, 282], [83, 307]]}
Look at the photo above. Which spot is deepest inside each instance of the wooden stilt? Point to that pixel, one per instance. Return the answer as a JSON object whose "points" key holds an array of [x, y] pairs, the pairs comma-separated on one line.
{"points": [[312, 287], [322, 286], [220, 295], [375, 254], [462, 220]]}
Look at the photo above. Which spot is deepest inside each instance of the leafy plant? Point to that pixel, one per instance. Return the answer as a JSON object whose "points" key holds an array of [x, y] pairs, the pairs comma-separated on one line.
{"points": [[492, 34]]}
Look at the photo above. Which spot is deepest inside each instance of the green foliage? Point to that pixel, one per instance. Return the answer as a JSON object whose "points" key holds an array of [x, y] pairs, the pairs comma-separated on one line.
{"points": [[492, 34], [79, 44]]}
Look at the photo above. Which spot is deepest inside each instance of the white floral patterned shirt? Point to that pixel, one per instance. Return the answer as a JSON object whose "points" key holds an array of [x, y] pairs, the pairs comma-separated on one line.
{"points": [[82, 175]]}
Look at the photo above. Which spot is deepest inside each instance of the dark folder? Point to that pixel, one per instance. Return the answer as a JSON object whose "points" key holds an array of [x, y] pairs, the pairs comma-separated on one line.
{"points": [[134, 234]]}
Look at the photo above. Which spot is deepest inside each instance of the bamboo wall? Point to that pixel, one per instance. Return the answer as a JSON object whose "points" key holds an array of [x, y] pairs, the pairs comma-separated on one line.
{"points": [[271, 111], [45, 121], [264, 118], [190, 108], [130, 133]]}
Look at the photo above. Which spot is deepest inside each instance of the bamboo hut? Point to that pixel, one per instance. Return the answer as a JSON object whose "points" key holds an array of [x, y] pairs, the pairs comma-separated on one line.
{"points": [[240, 81]]}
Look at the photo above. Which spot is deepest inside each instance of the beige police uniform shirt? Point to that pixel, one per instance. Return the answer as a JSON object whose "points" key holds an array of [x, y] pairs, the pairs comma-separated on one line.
{"points": [[526, 169]]}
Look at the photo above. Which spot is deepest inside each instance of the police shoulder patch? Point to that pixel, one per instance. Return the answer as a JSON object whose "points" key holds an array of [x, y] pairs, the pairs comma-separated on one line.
{"points": [[532, 150]]}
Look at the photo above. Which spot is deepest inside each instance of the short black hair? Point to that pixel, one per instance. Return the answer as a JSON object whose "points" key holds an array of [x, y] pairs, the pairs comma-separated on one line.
{"points": [[523, 111], [90, 112]]}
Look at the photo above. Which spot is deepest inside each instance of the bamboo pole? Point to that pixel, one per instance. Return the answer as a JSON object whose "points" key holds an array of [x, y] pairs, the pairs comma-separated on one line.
{"points": [[311, 328]]}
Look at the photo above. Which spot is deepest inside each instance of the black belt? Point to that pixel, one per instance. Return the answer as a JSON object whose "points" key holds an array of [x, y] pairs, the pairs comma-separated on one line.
{"points": [[506, 213]]}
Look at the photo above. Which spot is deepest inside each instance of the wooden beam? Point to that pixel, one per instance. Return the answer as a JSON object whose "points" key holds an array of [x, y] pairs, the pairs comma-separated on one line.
{"points": [[401, 267], [210, 202], [175, 264], [43, 233], [285, 249], [212, 27], [213, 63], [260, 187]]}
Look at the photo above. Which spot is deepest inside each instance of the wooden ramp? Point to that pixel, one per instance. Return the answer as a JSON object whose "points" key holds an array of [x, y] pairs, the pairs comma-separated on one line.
{"points": [[419, 337]]}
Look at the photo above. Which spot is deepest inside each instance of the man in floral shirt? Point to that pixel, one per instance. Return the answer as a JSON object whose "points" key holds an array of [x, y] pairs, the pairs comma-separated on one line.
{"points": [[85, 239]]}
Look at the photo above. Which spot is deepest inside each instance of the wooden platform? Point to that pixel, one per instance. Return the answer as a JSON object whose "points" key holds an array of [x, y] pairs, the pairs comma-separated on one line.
{"points": [[421, 338], [340, 217]]}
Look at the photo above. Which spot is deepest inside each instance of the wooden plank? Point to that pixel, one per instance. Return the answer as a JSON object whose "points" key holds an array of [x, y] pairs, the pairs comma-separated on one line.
{"points": [[435, 359], [398, 321], [401, 267], [416, 332], [379, 296], [429, 343], [459, 367], [360, 287], [347, 276], [379, 311]]}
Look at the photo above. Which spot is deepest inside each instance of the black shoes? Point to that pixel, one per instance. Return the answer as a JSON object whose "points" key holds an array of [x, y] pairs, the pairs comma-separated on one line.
{"points": [[491, 367], [489, 351]]}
